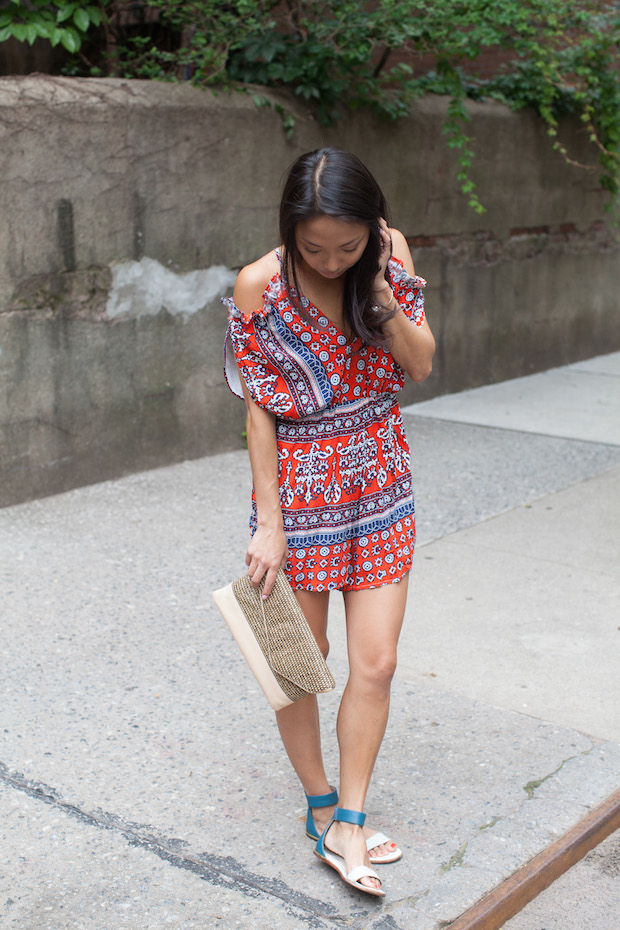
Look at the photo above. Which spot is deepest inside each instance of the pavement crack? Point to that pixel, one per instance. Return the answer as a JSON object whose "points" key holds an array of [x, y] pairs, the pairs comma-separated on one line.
{"points": [[455, 860], [531, 787], [223, 871], [488, 825]]}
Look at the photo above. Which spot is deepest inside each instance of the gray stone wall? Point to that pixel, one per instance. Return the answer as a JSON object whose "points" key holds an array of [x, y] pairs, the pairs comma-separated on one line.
{"points": [[127, 207]]}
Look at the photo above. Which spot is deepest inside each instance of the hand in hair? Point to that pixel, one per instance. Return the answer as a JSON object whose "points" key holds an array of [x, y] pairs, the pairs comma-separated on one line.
{"points": [[382, 292]]}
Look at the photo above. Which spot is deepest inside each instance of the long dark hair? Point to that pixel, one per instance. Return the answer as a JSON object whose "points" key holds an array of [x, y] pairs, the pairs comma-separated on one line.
{"points": [[333, 182]]}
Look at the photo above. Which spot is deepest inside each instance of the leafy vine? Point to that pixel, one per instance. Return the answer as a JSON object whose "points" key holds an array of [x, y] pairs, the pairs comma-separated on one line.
{"points": [[343, 55]]}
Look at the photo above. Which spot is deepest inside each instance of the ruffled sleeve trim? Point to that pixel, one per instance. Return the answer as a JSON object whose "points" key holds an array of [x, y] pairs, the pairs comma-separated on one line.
{"points": [[238, 322], [280, 372], [408, 291], [273, 292]]}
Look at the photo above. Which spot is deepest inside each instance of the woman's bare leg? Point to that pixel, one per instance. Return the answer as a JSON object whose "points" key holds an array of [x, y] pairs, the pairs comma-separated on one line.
{"points": [[299, 722], [374, 621]]}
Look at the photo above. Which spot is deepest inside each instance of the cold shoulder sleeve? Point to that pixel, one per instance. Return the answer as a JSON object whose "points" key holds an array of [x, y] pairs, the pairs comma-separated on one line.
{"points": [[280, 372], [408, 291]]}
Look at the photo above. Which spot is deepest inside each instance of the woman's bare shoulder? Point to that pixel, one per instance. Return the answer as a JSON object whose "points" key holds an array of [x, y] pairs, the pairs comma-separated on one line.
{"points": [[252, 281], [401, 250]]}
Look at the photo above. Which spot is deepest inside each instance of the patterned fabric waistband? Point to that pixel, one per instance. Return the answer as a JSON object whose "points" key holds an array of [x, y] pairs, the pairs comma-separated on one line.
{"points": [[340, 421], [375, 407]]}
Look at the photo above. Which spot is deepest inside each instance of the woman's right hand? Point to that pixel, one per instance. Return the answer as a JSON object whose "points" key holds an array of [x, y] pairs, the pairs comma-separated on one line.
{"points": [[267, 552], [380, 285]]}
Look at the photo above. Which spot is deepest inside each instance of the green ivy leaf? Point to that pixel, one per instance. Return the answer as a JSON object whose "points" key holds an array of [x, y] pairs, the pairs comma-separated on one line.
{"points": [[43, 29], [94, 15], [65, 11], [20, 31], [32, 33], [71, 40], [81, 20]]}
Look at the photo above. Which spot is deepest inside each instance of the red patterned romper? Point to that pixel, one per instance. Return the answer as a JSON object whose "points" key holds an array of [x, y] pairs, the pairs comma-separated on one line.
{"points": [[344, 474]]}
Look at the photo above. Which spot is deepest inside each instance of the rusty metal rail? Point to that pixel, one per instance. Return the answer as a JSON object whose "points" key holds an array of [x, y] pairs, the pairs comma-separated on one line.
{"points": [[492, 912]]}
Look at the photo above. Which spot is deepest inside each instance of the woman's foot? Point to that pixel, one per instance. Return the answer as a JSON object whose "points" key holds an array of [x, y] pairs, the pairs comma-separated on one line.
{"points": [[323, 815], [348, 841]]}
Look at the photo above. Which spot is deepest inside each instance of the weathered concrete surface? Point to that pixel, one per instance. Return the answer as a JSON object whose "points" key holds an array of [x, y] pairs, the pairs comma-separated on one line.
{"points": [[98, 170], [142, 782], [81, 398], [506, 307], [100, 173], [588, 896]]}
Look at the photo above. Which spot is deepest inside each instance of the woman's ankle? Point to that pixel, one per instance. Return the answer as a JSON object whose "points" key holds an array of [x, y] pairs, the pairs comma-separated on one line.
{"points": [[322, 816]]}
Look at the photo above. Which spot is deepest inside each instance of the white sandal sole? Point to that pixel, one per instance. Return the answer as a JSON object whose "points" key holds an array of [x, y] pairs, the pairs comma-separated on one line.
{"points": [[353, 877]]}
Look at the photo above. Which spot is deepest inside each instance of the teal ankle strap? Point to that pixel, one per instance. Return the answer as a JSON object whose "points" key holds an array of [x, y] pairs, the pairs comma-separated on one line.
{"points": [[345, 816], [322, 800]]}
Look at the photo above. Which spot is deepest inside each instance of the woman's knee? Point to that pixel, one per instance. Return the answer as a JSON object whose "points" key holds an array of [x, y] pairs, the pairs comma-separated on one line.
{"points": [[385, 669], [377, 671]]}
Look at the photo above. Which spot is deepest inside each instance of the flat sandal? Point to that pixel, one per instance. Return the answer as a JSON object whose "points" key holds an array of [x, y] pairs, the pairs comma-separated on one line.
{"points": [[377, 839], [342, 815]]}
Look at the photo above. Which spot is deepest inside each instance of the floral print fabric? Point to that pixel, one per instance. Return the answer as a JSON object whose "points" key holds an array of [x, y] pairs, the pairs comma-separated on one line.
{"points": [[344, 473]]}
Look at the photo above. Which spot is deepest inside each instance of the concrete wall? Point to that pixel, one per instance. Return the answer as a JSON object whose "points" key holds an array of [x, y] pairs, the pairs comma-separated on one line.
{"points": [[128, 205]]}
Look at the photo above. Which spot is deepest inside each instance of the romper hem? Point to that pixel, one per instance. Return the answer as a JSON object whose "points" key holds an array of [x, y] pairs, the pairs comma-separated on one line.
{"points": [[345, 588]]}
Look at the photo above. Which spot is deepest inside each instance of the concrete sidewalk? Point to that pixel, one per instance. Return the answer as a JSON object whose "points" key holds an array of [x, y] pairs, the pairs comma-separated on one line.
{"points": [[142, 782]]}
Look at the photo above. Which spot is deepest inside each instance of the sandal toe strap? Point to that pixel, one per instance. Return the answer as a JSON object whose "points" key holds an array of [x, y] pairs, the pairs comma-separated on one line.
{"points": [[361, 872], [377, 839]]}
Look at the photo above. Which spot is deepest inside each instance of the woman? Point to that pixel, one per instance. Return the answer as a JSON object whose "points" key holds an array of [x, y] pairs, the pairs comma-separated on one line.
{"points": [[322, 331]]}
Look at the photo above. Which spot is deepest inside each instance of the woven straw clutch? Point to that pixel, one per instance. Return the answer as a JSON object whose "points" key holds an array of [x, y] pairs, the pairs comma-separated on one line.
{"points": [[275, 639]]}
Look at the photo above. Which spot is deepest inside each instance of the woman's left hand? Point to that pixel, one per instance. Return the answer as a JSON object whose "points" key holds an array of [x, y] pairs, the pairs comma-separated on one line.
{"points": [[380, 285]]}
